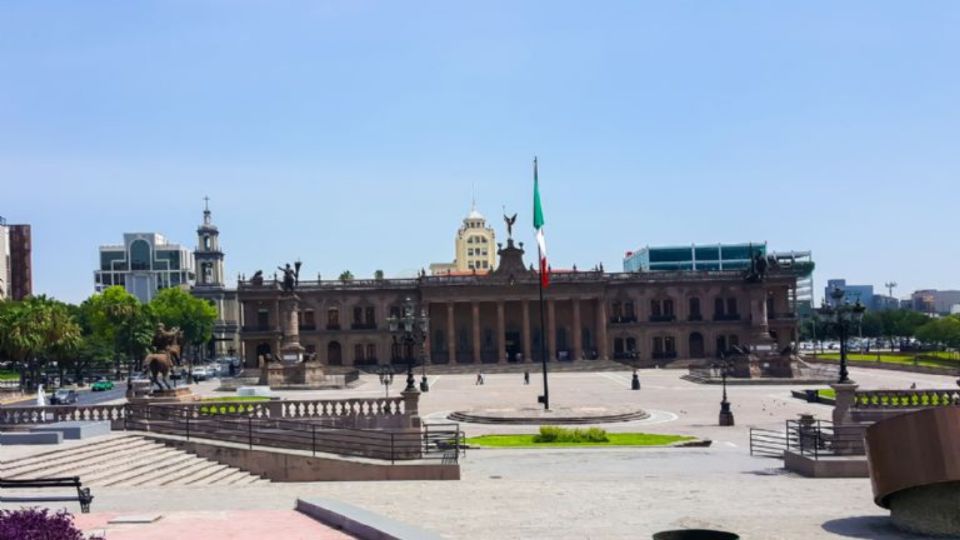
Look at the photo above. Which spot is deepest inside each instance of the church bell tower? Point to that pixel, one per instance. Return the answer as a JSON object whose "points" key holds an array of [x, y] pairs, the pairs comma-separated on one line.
{"points": [[208, 257]]}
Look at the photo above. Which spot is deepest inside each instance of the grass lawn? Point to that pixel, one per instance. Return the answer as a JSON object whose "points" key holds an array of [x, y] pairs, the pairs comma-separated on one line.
{"points": [[6, 375], [903, 359], [616, 439]]}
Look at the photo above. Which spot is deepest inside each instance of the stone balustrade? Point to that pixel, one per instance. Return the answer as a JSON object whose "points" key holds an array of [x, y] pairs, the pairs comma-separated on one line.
{"points": [[61, 413], [905, 399], [392, 412]]}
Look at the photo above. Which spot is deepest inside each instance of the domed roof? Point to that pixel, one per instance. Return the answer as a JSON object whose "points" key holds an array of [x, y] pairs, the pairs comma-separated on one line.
{"points": [[474, 214]]}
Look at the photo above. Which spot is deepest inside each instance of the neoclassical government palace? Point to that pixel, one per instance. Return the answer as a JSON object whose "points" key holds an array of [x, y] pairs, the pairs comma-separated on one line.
{"points": [[650, 317]]}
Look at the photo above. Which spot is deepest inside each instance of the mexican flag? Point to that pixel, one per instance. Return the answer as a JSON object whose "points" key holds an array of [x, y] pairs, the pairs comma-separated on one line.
{"points": [[538, 225]]}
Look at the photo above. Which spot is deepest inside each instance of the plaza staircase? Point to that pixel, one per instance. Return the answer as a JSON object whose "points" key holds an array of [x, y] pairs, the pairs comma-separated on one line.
{"points": [[128, 461]]}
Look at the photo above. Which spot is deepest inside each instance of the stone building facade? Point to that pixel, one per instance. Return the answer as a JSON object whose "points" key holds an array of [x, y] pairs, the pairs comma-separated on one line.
{"points": [[649, 317]]}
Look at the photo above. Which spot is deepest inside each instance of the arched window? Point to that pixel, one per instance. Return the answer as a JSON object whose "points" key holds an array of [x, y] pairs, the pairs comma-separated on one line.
{"points": [[139, 255]]}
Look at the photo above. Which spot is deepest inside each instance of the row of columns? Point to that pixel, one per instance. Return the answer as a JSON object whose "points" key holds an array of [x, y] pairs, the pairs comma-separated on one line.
{"points": [[527, 345]]}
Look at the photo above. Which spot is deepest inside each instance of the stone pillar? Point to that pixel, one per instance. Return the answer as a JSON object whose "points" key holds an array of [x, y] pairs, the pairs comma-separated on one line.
{"points": [[527, 349], [290, 348], [501, 331], [602, 328], [845, 398], [475, 317], [411, 407], [577, 332], [451, 334], [552, 329]]}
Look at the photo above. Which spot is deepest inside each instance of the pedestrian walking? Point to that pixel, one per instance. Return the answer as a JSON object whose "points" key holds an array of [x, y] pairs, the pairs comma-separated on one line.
{"points": [[479, 378], [526, 377]]}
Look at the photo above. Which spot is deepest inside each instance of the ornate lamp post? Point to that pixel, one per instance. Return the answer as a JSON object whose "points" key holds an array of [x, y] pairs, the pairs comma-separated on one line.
{"points": [[386, 378], [726, 415], [412, 328], [844, 315]]}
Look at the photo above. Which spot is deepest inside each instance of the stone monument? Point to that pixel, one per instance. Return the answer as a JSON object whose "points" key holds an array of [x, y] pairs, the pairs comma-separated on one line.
{"points": [[294, 368]]}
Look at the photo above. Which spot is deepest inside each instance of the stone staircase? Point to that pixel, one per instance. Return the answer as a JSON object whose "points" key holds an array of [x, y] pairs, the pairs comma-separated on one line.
{"points": [[128, 461]]}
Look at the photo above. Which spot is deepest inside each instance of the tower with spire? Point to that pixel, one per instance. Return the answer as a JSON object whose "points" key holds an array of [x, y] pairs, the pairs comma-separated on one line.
{"points": [[208, 257], [210, 285]]}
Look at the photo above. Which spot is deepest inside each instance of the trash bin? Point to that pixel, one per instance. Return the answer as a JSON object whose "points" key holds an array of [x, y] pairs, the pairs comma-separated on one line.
{"points": [[695, 534]]}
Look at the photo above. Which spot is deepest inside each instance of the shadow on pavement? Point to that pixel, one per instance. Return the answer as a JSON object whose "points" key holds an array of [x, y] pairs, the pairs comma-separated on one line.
{"points": [[872, 527]]}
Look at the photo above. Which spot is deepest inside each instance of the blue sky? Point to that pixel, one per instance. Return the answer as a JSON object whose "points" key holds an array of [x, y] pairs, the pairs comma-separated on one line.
{"points": [[352, 134]]}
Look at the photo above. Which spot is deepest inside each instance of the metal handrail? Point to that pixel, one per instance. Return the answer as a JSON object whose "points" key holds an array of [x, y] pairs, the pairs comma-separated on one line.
{"points": [[316, 436]]}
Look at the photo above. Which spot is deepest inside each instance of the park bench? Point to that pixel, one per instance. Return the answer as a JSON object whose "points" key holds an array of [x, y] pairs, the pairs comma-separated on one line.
{"points": [[83, 495]]}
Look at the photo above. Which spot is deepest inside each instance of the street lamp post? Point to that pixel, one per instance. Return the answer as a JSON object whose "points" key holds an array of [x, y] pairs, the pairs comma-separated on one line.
{"points": [[412, 327], [386, 378], [726, 415], [844, 314]]}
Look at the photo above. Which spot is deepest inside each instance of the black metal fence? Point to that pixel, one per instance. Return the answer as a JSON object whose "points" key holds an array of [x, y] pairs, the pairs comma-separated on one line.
{"points": [[821, 438], [434, 441]]}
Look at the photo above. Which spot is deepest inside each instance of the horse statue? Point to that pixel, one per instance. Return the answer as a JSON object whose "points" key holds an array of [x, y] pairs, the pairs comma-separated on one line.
{"points": [[169, 343]]}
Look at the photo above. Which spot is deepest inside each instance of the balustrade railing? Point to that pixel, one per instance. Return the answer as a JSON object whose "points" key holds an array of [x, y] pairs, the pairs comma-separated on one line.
{"points": [[374, 412], [60, 413], [905, 399]]}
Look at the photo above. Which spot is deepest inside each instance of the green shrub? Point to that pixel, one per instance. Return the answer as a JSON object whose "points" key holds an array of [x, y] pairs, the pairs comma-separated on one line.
{"points": [[554, 434]]}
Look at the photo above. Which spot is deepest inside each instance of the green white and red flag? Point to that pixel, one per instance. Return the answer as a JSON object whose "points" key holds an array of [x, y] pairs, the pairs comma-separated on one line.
{"points": [[538, 225]]}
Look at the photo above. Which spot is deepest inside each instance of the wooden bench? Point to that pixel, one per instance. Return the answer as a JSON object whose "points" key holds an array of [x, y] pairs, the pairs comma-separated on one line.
{"points": [[83, 495]]}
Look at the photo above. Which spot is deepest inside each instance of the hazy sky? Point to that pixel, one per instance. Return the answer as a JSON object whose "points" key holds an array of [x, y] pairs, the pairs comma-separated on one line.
{"points": [[353, 134]]}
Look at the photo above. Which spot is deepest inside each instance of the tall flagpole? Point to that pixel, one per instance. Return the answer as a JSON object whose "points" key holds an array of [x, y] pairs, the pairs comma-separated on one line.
{"points": [[543, 327]]}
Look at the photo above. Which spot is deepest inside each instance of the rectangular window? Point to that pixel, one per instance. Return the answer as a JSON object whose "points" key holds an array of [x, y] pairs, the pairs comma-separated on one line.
{"points": [[628, 310], [333, 317], [718, 309], [731, 306], [263, 319], [371, 351], [358, 315], [655, 308], [370, 316], [668, 307], [658, 346], [358, 352]]}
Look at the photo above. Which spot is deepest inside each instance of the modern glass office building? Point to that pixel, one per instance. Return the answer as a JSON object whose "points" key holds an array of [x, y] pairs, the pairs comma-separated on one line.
{"points": [[692, 257], [144, 264]]}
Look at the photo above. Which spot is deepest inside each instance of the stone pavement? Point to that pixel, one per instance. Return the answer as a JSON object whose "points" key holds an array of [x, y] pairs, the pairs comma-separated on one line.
{"points": [[590, 493]]}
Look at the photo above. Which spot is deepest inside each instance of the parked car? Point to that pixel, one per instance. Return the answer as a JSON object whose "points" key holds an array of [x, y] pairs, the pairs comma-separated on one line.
{"points": [[63, 397], [101, 385]]}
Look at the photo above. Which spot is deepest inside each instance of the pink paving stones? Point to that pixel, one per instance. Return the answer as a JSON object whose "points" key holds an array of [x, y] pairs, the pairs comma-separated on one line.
{"points": [[227, 525]]}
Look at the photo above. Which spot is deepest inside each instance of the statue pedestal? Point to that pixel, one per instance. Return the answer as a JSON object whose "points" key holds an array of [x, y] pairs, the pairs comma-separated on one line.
{"points": [[280, 374], [175, 395]]}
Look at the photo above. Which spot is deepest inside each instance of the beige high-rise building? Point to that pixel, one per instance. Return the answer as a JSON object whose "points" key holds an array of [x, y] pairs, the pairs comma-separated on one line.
{"points": [[476, 248]]}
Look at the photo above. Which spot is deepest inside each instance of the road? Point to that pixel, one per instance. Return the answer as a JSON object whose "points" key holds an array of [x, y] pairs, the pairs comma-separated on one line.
{"points": [[84, 396]]}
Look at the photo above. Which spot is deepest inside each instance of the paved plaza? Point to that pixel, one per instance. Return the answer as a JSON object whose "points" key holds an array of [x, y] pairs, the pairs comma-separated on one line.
{"points": [[589, 493]]}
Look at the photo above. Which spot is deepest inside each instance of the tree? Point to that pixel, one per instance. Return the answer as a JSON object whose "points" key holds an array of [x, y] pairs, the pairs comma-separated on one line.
{"points": [[942, 332], [900, 323], [378, 275], [346, 276], [34, 332], [117, 317], [194, 316]]}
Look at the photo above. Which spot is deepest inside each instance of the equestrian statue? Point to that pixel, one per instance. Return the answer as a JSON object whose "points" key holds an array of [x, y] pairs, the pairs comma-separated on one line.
{"points": [[169, 345]]}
